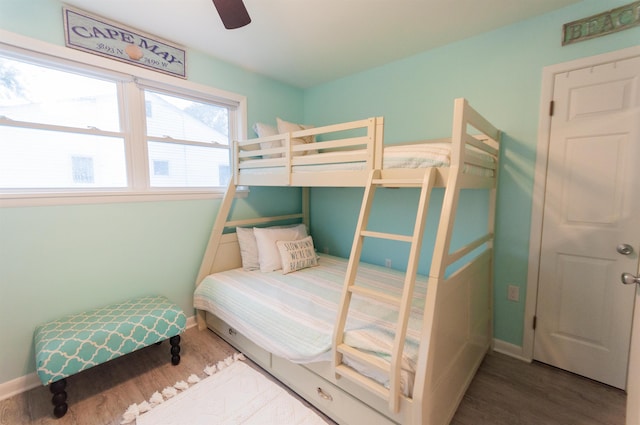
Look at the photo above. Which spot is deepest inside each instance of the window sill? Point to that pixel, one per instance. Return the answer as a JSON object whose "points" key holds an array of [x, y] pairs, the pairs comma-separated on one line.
{"points": [[71, 198]]}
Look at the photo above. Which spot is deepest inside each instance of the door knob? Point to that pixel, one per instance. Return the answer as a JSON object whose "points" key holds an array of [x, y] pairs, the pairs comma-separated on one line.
{"points": [[629, 279], [624, 249]]}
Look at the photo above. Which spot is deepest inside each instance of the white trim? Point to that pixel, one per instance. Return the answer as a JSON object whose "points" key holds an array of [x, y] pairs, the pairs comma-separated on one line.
{"points": [[540, 176], [191, 322], [27, 382], [19, 385], [44, 199], [509, 349], [41, 47]]}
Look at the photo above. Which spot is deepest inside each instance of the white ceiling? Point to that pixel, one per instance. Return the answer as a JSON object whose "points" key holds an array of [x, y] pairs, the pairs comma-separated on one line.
{"points": [[308, 42]]}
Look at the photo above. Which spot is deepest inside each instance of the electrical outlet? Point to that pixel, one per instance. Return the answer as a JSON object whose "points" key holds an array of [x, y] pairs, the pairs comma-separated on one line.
{"points": [[387, 262], [326, 249], [513, 293]]}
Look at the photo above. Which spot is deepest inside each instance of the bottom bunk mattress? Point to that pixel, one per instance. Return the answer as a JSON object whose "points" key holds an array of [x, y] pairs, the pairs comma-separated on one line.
{"points": [[293, 315]]}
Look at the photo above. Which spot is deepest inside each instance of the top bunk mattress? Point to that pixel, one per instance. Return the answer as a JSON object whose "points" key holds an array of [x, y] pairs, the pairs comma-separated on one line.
{"points": [[416, 155], [293, 315]]}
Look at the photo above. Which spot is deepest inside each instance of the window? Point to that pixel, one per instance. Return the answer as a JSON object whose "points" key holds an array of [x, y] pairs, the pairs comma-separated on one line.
{"points": [[187, 139], [78, 131], [49, 118]]}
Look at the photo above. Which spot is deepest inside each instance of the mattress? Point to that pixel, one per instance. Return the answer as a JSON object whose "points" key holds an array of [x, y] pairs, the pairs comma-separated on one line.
{"points": [[395, 156], [293, 315]]}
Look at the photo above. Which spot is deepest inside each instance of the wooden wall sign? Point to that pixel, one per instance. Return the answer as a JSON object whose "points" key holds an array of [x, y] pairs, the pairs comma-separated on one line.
{"points": [[604, 23], [99, 36]]}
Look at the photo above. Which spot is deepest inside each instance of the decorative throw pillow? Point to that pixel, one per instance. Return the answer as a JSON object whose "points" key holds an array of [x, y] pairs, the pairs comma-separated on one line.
{"points": [[296, 255], [248, 248], [264, 130], [286, 127], [266, 238]]}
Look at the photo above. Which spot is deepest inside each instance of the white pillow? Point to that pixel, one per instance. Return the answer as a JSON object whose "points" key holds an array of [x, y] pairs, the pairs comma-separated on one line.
{"points": [[266, 238], [248, 248], [286, 127], [264, 130], [296, 255]]}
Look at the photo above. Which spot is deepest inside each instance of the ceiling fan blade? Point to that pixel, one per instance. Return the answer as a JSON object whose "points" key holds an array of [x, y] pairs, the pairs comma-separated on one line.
{"points": [[233, 13]]}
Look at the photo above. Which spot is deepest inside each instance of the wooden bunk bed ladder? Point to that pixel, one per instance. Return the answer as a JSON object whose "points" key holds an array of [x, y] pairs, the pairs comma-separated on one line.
{"points": [[402, 303]]}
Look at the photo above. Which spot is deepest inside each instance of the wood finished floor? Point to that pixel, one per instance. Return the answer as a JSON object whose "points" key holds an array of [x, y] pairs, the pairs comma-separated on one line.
{"points": [[505, 390]]}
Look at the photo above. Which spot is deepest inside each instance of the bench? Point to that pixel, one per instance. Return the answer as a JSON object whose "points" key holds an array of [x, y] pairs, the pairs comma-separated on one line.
{"points": [[76, 342]]}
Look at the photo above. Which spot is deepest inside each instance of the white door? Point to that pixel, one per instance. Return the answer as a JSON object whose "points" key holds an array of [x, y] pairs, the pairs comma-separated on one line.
{"points": [[592, 205]]}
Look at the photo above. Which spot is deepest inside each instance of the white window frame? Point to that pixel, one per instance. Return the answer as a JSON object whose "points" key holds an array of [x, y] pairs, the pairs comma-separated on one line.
{"points": [[137, 162]]}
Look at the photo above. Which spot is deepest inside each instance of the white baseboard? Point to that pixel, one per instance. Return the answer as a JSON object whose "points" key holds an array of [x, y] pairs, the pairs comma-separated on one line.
{"points": [[510, 350], [191, 322], [19, 385], [30, 381]]}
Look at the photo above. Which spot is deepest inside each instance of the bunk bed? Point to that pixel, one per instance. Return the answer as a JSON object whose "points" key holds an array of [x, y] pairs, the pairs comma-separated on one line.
{"points": [[412, 362]]}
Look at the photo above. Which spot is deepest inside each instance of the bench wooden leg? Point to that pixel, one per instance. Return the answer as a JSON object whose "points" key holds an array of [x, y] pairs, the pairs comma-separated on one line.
{"points": [[175, 349], [59, 398]]}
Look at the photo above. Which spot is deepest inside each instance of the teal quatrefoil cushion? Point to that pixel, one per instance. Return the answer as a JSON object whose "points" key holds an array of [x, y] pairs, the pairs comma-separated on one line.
{"points": [[79, 341]]}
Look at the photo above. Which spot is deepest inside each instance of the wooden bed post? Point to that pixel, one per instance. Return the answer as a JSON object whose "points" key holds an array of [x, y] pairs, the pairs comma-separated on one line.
{"points": [[306, 219], [214, 242], [467, 356], [451, 192], [439, 262], [378, 143]]}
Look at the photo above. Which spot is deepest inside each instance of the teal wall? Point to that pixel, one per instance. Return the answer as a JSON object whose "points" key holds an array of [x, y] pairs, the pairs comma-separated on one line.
{"points": [[500, 73], [63, 259], [56, 260]]}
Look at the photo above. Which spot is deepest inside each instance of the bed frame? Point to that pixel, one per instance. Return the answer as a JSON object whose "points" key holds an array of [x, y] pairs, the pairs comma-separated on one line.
{"points": [[457, 324], [358, 141]]}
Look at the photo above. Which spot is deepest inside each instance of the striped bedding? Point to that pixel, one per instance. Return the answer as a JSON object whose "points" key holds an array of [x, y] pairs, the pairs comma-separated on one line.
{"points": [[293, 315]]}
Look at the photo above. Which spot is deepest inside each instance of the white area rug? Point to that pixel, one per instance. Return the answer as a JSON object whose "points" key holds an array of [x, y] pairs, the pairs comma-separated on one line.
{"points": [[234, 394]]}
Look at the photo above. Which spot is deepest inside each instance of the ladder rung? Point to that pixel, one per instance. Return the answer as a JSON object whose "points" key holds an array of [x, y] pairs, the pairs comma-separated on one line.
{"points": [[362, 357], [398, 182], [376, 295], [390, 236], [353, 375]]}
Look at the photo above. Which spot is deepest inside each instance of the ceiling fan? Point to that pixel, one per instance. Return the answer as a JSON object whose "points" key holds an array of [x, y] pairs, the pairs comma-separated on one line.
{"points": [[233, 13]]}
